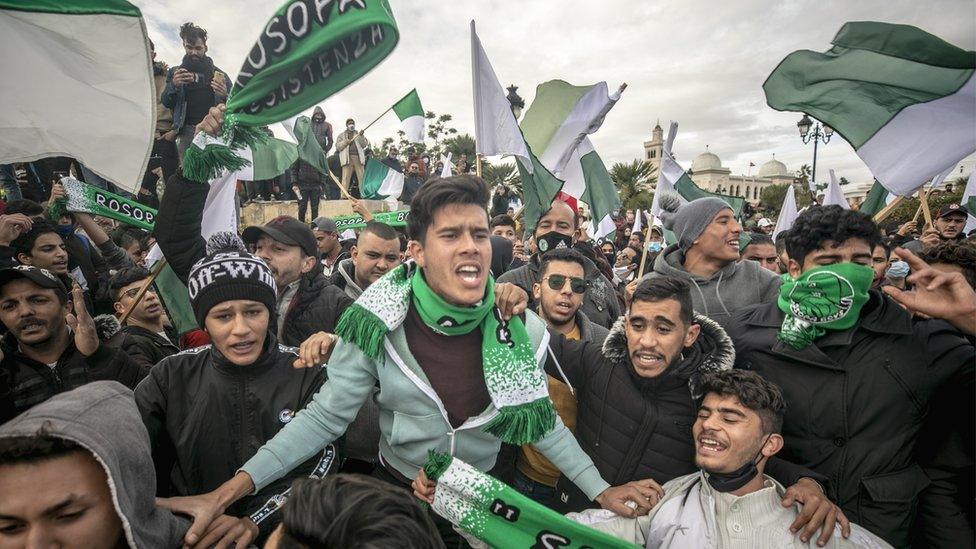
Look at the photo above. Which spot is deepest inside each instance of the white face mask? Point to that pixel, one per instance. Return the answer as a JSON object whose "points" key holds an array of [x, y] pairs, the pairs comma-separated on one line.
{"points": [[351, 127]]}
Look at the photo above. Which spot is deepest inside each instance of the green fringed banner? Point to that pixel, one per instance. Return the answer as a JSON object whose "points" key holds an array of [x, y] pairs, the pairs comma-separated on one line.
{"points": [[86, 198], [309, 50]]}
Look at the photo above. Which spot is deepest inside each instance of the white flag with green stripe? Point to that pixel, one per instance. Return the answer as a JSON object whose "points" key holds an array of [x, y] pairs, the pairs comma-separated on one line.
{"points": [[558, 124], [905, 99], [77, 81], [411, 115]]}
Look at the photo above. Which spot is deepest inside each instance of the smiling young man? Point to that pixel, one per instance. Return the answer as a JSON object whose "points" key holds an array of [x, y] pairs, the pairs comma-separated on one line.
{"points": [[636, 394], [454, 375], [557, 228], [729, 501], [707, 257], [209, 409], [51, 345], [377, 252], [859, 374]]}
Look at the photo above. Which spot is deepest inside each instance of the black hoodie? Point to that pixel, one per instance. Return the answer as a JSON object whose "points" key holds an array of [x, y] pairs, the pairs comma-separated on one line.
{"points": [[102, 418]]}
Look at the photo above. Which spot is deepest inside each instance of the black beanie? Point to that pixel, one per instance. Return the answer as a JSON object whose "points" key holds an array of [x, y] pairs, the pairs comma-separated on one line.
{"points": [[228, 272]]}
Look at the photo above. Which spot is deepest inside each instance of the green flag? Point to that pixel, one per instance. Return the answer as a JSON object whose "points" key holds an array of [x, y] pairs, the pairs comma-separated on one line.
{"points": [[497, 514], [904, 99], [411, 115], [176, 298], [380, 181], [539, 189], [309, 149], [306, 53], [875, 201], [689, 191], [272, 158]]}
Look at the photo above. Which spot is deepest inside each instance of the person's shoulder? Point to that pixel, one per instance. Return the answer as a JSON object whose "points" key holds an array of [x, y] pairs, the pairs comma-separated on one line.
{"points": [[514, 275]]}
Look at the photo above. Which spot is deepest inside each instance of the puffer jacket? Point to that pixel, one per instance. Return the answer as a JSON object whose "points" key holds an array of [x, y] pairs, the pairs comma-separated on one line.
{"points": [[738, 285], [600, 303], [207, 416], [316, 307], [857, 401]]}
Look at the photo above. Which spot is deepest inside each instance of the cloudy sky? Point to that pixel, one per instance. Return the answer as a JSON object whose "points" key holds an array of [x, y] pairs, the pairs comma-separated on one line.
{"points": [[700, 63]]}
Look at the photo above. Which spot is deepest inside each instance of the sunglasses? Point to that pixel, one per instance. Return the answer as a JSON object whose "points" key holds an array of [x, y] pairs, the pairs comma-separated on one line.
{"points": [[558, 282]]}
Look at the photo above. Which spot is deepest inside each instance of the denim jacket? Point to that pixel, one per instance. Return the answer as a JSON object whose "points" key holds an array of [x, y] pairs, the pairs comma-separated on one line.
{"points": [[174, 97]]}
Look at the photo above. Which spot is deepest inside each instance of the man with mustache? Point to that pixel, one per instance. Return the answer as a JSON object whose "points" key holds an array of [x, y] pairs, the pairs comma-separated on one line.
{"points": [[193, 87], [51, 345]]}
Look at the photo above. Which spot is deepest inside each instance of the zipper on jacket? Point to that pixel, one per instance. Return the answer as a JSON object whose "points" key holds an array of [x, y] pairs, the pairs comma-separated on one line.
{"points": [[429, 391], [901, 382]]}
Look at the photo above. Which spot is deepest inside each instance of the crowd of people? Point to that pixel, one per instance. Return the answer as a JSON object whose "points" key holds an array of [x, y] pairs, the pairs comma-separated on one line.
{"points": [[730, 388]]}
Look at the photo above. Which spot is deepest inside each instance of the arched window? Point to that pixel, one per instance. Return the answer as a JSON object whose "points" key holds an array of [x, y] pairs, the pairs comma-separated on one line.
{"points": [[737, 193], [755, 193], [747, 192]]}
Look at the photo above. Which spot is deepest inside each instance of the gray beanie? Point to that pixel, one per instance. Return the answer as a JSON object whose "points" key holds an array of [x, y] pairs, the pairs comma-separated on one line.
{"points": [[688, 221]]}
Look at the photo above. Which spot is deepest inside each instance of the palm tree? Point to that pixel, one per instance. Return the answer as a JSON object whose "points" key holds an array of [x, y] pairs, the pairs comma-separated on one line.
{"points": [[495, 174], [459, 144], [633, 181]]}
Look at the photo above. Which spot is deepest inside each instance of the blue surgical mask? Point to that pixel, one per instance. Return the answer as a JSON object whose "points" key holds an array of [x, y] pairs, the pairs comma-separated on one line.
{"points": [[654, 246]]}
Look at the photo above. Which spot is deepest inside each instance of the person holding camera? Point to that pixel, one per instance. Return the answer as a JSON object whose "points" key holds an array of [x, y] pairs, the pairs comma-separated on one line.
{"points": [[193, 87]]}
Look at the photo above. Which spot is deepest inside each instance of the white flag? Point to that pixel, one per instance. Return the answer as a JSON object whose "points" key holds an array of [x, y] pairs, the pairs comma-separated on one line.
{"points": [[446, 170], [669, 173], [969, 200], [787, 213], [495, 129], [835, 196], [637, 222]]}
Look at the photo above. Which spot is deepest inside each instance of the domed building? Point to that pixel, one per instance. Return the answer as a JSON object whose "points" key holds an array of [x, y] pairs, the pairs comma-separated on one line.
{"points": [[708, 173]]}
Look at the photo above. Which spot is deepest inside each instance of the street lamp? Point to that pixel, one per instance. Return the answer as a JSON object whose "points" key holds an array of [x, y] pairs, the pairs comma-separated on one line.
{"points": [[818, 134], [515, 101]]}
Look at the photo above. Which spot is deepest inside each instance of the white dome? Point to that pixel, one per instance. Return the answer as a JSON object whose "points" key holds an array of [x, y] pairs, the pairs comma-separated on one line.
{"points": [[772, 168], [706, 161]]}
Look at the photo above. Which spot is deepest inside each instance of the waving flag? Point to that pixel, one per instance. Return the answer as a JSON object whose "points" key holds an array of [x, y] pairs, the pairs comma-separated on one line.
{"points": [[557, 124], [411, 115], [787, 212], [905, 99], [835, 196], [381, 181], [77, 81]]}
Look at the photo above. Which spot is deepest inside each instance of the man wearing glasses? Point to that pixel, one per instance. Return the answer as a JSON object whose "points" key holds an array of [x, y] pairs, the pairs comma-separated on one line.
{"points": [[143, 337], [558, 296]]}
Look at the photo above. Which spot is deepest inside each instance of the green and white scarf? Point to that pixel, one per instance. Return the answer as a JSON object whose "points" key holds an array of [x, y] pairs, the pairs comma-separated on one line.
{"points": [[515, 383], [305, 53], [498, 515], [823, 298], [90, 199], [356, 221]]}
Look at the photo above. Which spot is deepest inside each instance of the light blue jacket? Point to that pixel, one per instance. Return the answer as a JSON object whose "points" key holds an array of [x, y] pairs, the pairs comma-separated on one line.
{"points": [[412, 418]]}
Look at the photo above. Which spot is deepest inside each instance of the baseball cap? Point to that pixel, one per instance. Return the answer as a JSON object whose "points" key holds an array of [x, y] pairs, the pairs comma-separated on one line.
{"points": [[325, 224], [765, 222], [42, 277], [951, 209], [284, 229]]}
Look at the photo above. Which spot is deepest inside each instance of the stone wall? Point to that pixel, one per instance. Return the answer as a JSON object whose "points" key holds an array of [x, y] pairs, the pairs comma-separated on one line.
{"points": [[259, 213]]}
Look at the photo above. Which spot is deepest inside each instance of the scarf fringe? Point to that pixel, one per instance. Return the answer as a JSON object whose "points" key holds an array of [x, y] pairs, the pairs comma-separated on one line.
{"points": [[361, 327], [523, 424], [205, 165], [436, 464]]}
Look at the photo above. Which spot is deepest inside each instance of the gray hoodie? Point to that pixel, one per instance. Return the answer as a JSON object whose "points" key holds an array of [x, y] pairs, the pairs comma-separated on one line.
{"points": [[735, 286], [102, 417]]}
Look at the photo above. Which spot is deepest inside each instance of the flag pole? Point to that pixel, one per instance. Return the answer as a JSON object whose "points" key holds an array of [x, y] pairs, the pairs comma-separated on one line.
{"points": [[886, 211], [647, 240], [157, 268], [362, 131], [342, 188], [923, 197], [477, 164]]}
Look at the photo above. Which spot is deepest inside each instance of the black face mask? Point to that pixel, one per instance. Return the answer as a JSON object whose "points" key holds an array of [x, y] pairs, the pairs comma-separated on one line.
{"points": [[552, 240], [611, 258], [730, 482]]}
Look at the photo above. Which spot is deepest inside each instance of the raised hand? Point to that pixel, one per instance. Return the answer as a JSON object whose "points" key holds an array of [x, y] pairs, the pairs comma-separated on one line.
{"points": [[12, 226], [938, 294], [81, 323], [213, 121]]}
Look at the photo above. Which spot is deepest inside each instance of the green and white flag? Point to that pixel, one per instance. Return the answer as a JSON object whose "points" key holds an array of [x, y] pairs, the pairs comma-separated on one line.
{"points": [[411, 115], [77, 81], [672, 176], [500, 516], [878, 197], [309, 150], [903, 98], [558, 124], [380, 181]]}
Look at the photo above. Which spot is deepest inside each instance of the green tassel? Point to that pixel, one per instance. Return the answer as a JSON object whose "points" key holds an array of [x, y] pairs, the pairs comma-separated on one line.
{"points": [[523, 424], [205, 165], [361, 327], [436, 464]]}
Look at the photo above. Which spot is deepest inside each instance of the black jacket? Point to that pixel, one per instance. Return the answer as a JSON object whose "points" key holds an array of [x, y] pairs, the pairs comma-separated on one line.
{"points": [[600, 303], [636, 428], [143, 347], [316, 307], [856, 402], [207, 416], [24, 382]]}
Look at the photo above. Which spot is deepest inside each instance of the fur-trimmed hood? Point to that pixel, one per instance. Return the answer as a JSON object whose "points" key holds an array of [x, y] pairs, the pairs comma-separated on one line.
{"points": [[711, 352]]}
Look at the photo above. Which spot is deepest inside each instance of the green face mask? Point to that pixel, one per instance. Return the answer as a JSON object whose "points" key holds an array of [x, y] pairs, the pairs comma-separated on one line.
{"points": [[824, 298]]}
